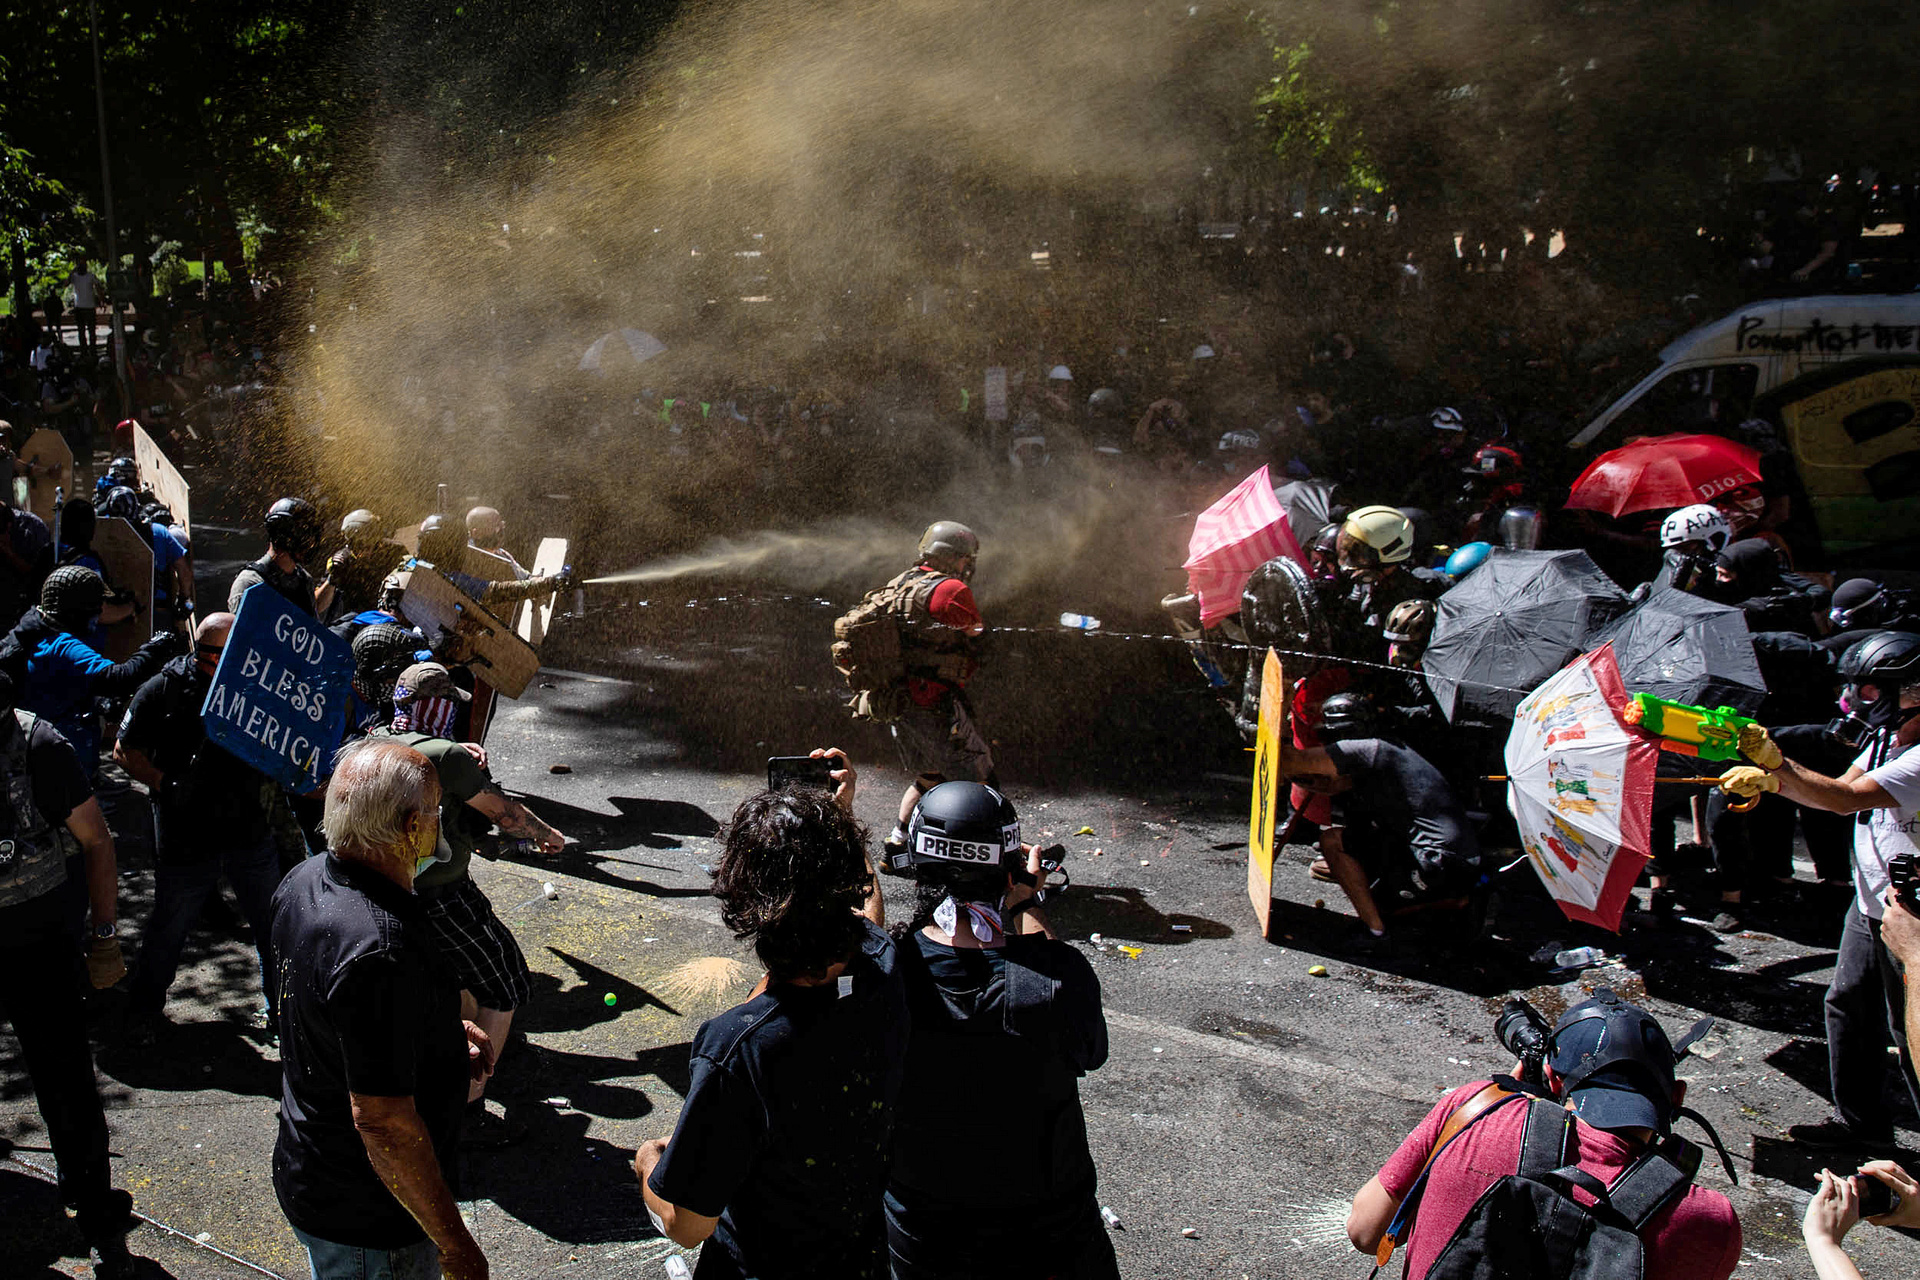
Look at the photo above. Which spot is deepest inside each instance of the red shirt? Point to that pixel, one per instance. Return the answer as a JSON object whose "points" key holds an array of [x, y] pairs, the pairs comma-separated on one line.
{"points": [[1696, 1237], [951, 605]]}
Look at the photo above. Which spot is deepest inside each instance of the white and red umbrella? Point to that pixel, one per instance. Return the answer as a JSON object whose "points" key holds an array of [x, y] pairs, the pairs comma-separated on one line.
{"points": [[1580, 787], [1232, 538]]}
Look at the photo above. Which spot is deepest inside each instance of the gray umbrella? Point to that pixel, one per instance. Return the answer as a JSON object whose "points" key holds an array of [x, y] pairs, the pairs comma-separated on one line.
{"points": [[1515, 621], [1308, 504], [1677, 646]]}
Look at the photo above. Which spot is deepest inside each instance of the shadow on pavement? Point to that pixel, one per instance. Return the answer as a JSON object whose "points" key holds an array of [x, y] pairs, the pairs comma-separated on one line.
{"points": [[652, 823], [38, 1235], [1126, 913], [585, 1005], [190, 1056]]}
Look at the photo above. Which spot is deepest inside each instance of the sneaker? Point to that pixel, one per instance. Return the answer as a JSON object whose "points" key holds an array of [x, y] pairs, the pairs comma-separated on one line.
{"points": [[1832, 1134], [1730, 919], [481, 1128]]}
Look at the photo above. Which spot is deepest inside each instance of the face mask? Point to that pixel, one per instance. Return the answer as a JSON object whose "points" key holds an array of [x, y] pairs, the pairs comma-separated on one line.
{"points": [[438, 852]]}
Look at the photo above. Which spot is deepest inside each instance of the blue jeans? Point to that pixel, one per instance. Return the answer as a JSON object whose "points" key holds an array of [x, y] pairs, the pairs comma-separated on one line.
{"points": [[179, 893], [331, 1261]]}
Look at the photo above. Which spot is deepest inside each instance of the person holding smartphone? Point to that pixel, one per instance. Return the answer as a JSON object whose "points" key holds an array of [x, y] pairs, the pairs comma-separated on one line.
{"points": [[1837, 1205]]}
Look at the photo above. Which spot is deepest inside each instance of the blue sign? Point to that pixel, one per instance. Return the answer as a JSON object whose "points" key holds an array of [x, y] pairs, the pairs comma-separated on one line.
{"points": [[279, 696]]}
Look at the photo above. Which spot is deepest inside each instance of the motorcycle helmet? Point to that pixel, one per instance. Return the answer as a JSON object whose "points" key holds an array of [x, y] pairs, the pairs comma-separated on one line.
{"points": [[122, 471], [961, 825], [1496, 464], [1698, 523], [1468, 558], [1859, 602]]}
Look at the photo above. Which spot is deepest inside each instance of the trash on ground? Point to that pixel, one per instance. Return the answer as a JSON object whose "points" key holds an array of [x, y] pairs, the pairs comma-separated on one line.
{"points": [[559, 768], [1317, 971]]}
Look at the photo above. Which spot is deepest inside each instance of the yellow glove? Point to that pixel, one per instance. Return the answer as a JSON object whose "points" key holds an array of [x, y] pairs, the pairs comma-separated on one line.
{"points": [[105, 964], [1745, 780], [1757, 745]]}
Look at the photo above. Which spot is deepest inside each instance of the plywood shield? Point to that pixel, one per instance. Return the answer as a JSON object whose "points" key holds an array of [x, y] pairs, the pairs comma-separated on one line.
{"points": [[537, 615], [53, 470], [498, 656], [158, 473], [480, 563], [129, 563]]}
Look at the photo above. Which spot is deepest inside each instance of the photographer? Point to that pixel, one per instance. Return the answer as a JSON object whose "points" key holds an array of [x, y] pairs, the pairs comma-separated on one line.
{"points": [[1608, 1101], [1006, 1019], [780, 1155], [1865, 1002], [1836, 1206]]}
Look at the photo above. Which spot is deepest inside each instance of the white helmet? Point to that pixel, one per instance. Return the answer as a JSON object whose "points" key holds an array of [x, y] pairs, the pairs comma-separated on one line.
{"points": [[1698, 523]]}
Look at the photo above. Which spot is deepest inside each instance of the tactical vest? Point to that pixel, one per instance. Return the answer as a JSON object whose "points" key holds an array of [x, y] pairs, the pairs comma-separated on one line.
{"points": [[891, 635], [33, 853]]}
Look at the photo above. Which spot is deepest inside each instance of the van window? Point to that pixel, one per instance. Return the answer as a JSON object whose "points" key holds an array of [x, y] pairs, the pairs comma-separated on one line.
{"points": [[1701, 398]]}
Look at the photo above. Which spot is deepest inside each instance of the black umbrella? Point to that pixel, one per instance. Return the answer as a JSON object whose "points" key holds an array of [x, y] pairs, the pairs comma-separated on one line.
{"points": [[1678, 646], [1308, 504], [1513, 622]]}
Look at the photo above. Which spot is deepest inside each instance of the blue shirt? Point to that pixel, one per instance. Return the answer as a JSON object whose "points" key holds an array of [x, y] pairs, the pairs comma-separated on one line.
{"points": [[59, 688]]}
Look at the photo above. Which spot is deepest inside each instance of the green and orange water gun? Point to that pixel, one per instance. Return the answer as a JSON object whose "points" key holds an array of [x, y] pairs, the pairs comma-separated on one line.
{"points": [[1709, 733]]}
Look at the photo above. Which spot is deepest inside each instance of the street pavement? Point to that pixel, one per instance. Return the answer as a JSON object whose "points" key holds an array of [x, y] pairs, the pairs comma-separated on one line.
{"points": [[1244, 1101]]}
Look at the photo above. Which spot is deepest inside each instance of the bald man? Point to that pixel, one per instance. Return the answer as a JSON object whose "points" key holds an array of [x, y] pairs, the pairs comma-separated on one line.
{"points": [[210, 818], [486, 531]]}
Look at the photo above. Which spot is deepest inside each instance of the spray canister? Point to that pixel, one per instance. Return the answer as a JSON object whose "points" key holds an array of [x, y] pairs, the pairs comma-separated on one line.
{"points": [[1080, 621], [442, 500]]}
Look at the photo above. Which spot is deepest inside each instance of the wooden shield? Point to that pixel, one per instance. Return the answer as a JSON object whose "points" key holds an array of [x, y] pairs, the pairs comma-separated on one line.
{"points": [[537, 615], [1266, 790], [129, 562], [485, 564], [407, 536], [498, 656], [48, 449], [158, 473]]}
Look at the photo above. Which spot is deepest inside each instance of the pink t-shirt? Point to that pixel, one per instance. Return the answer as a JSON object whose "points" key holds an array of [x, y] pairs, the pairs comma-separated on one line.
{"points": [[1697, 1237]]}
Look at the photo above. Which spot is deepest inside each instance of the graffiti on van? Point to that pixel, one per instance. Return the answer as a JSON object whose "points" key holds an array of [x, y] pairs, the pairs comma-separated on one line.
{"points": [[1753, 335]]}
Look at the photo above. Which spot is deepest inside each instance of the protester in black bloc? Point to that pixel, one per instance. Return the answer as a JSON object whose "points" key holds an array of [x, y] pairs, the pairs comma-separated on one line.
{"points": [[212, 815], [51, 813], [780, 1155], [1395, 824], [59, 674], [1006, 1019], [26, 558], [1473, 1189], [1866, 997], [375, 1060], [493, 974], [293, 534]]}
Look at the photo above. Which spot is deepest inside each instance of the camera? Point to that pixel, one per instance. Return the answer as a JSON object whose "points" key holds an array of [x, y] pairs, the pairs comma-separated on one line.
{"points": [[1525, 1034], [1903, 874]]}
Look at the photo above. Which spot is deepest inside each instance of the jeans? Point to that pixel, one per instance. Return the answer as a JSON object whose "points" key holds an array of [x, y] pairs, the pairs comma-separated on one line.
{"points": [[331, 1261], [1866, 1004], [179, 893], [40, 988]]}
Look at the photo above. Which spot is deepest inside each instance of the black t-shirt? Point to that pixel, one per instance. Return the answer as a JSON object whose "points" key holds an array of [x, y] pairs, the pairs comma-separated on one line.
{"points": [[221, 805], [1000, 1040], [1407, 799], [59, 787], [366, 1005], [785, 1131]]}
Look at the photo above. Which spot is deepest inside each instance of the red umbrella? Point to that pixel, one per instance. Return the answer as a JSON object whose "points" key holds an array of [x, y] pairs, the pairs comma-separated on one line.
{"points": [[1662, 473]]}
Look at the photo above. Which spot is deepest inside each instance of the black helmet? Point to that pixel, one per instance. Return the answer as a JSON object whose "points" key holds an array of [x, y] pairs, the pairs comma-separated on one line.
{"points": [[72, 596], [441, 538], [77, 521], [1860, 602], [122, 502], [123, 471], [293, 526], [1886, 657], [962, 824], [1344, 716]]}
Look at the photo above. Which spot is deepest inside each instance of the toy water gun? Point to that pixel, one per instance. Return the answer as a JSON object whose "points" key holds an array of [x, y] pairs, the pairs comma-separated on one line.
{"points": [[1710, 734]]}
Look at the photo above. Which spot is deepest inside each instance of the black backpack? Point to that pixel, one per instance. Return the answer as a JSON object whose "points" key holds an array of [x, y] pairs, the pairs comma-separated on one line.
{"points": [[1528, 1226]]}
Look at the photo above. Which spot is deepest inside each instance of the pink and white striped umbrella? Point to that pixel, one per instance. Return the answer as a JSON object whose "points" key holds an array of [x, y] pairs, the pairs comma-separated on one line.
{"points": [[1232, 538]]}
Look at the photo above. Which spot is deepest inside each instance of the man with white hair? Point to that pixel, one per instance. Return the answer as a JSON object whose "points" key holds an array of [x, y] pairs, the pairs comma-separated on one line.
{"points": [[374, 1057]]}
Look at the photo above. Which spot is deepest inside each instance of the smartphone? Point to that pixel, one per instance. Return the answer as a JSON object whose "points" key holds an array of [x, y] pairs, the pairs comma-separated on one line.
{"points": [[1876, 1197], [801, 771]]}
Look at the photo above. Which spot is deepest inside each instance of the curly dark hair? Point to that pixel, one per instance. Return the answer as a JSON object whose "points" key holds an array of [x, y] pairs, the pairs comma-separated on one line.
{"points": [[793, 871]]}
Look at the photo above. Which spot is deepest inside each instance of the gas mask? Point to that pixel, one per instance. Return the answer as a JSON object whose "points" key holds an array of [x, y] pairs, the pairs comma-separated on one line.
{"points": [[1691, 571], [1860, 720]]}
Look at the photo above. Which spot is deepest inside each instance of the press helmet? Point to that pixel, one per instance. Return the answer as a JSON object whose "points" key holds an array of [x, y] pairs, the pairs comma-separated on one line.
{"points": [[1373, 537], [72, 597], [293, 526], [1697, 523], [441, 537], [122, 502], [960, 825], [951, 542]]}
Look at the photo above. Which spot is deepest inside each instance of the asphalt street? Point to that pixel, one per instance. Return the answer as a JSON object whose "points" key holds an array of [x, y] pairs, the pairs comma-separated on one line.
{"points": [[1245, 1099]]}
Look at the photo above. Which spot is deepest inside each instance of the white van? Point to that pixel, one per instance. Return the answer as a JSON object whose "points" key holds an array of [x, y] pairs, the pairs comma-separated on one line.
{"points": [[1839, 376]]}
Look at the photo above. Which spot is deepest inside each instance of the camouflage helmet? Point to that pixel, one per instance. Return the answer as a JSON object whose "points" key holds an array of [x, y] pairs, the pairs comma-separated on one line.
{"points": [[72, 596]]}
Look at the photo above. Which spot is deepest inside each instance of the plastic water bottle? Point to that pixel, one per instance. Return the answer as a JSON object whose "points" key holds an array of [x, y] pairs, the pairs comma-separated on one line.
{"points": [[1578, 958], [1080, 621], [677, 1268]]}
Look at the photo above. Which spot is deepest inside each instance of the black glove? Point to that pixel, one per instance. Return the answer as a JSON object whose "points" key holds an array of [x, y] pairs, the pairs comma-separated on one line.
{"points": [[166, 644]]}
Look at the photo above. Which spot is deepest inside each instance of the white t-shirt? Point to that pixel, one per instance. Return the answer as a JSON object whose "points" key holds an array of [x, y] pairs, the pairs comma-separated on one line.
{"points": [[1887, 833], [85, 283]]}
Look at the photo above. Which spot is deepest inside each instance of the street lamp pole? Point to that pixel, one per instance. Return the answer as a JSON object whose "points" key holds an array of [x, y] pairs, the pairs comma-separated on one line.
{"points": [[113, 240]]}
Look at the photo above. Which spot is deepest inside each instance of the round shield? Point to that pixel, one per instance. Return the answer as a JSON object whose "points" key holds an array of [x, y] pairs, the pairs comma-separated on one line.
{"points": [[1280, 608]]}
